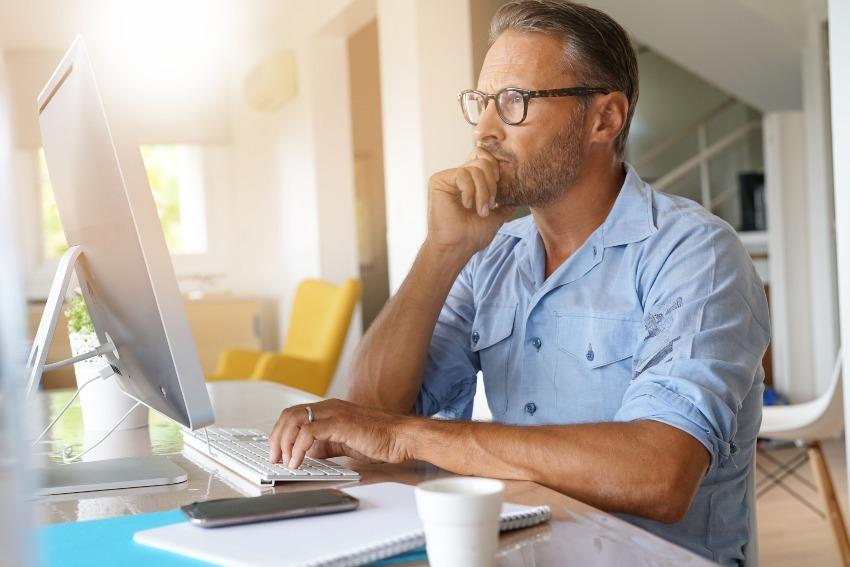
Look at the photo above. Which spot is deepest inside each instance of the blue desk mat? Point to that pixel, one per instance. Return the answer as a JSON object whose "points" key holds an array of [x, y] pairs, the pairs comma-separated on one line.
{"points": [[107, 542]]}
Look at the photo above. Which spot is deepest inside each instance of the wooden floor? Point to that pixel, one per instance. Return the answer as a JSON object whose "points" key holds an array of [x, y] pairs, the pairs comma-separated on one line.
{"points": [[791, 533]]}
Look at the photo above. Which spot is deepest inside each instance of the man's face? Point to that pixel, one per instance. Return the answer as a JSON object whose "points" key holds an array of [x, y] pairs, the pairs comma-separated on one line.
{"points": [[541, 157]]}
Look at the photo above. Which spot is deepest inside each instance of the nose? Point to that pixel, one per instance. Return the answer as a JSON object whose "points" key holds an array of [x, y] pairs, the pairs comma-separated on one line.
{"points": [[490, 127]]}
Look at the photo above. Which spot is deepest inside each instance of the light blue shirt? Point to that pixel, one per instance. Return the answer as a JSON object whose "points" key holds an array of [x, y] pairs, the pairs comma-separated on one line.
{"points": [[659, 315]]}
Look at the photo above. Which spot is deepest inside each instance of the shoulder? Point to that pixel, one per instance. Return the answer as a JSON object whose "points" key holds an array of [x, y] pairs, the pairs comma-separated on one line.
{"points": [[695, 250], [682, 225]]}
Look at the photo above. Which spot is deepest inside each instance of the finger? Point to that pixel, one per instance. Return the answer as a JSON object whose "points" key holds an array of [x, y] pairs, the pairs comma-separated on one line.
{"points": [[466, 186], [288, 435], [274, 437], [482, 190], [484, 155], [282, 435], [490, 172], [305, 439], [490, 165]]}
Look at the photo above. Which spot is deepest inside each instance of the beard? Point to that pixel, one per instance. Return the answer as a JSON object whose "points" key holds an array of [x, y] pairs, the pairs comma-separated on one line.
{"points": [[543, 178]]}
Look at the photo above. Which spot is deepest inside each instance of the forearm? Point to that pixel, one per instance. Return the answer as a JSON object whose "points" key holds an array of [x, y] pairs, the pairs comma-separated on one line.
{"points": [[390, 361], [635, 468]]}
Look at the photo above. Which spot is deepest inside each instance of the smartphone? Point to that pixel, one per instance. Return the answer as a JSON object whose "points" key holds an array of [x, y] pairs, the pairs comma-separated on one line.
{"points": [[232, 511]]}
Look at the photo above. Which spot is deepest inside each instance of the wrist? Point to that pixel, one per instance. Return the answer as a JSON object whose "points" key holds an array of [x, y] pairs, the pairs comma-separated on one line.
{"points": [[448, 255], [411, 432]]}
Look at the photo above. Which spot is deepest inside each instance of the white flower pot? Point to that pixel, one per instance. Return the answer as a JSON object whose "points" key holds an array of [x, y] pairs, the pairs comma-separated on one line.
{"points": [[103, 403]]}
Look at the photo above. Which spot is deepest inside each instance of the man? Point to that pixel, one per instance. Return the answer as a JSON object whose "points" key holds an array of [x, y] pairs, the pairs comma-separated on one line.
{"points": [[620, 331]]}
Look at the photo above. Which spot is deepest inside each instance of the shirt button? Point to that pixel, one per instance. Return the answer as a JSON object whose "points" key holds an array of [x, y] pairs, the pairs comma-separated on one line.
{"points": [[530, 408], [590, 356], [475, 337], [537, 342]]}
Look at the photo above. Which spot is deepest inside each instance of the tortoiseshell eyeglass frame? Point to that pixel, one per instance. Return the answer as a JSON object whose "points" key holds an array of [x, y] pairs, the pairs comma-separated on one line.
{"points": [[526, 96]]}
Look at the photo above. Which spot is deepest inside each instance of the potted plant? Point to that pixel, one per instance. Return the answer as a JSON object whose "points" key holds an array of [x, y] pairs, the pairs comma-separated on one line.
{"points": [[103, 402]]}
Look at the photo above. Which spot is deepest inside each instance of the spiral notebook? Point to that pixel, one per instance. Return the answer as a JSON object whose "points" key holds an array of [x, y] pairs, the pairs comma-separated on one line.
{"points": [[384, 525]]}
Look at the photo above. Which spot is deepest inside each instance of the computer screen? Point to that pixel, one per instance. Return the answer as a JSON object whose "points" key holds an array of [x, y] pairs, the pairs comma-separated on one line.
{"points": [[124, 270]]}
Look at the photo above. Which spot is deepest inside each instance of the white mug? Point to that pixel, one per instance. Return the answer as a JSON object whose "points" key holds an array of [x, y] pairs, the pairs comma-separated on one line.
{"points": [[461, 516]]}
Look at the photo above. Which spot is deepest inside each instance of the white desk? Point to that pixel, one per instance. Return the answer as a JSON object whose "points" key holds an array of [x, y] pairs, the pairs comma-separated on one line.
{"points": [[577, 535]]}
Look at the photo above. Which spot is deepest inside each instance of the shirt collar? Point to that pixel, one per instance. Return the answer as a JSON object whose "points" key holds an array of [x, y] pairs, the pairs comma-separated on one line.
{"points": [[630, 219]]}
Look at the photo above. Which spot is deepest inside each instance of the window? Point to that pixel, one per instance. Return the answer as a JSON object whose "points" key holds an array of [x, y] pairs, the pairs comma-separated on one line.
{"points": [[175, 174]]}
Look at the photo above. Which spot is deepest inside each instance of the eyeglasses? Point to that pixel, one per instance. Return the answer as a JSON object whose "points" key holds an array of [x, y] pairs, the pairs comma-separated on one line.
{"points": [[512, 103]]}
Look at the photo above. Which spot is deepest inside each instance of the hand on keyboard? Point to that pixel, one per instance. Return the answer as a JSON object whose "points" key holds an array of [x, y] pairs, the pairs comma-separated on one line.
{"points": [[247, 452], [340, 428]]}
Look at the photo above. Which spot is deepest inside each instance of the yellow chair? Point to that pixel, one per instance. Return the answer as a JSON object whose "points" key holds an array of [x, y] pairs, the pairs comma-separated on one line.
{"points": [[321, 315]]}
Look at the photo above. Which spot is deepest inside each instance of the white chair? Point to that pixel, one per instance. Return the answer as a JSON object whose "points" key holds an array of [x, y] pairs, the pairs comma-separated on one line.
{"points": [[807, 424]]}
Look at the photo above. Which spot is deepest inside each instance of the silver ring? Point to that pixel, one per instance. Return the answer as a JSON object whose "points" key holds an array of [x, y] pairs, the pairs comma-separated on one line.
{"points": [[309, 414]]}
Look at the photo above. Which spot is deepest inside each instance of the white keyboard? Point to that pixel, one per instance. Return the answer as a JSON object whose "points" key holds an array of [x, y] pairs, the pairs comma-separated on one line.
{"points": [[246, 452]]}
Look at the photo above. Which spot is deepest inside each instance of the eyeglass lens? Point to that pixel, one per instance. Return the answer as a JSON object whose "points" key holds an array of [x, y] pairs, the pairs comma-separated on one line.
{"points": [[509, 104]]}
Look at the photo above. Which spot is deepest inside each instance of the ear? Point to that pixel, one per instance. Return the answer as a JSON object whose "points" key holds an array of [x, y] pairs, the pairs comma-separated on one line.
{"points": [[610, 117]]}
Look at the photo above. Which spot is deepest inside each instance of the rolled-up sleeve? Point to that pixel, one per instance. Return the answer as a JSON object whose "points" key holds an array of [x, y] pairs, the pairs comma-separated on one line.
{"points": [[448, 386], [705, 330]]}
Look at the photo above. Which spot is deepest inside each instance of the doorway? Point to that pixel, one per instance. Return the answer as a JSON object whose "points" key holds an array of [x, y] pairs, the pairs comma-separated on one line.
{"points": [[367, 142]]}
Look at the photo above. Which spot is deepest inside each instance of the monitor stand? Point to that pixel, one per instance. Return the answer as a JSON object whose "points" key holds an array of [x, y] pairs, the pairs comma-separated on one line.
{"points": [[87, 476], [129, 472]]}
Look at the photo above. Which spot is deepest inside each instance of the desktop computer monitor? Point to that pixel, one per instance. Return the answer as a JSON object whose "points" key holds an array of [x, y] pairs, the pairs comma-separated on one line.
{"points": [[117, 249], [124, 270]]}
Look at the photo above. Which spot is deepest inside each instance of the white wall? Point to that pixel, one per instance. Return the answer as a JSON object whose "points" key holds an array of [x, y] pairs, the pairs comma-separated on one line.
{"points": [[823, 288], [839, 63], [802, 221], [784, 150], [426, 59]]}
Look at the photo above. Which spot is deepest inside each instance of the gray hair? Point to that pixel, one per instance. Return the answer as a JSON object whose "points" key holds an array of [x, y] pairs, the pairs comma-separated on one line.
{"points": [[597, 50]]}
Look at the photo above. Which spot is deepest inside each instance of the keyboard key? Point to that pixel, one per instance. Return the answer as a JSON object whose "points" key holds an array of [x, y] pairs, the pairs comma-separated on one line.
{"points": [[298, 472], [312, 471]]}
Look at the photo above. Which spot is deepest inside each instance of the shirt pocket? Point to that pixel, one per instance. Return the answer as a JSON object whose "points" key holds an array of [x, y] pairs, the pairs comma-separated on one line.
{"points": [[491, 339], [595, 360]]}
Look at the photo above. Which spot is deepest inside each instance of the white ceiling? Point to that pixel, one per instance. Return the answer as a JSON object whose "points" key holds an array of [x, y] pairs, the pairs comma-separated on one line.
{"points": [[52, 24], [787, 15], [751, 49]]}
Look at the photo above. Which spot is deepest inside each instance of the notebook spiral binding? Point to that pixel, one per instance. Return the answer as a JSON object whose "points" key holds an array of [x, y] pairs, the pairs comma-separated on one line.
{"points": [[412, 540]]}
